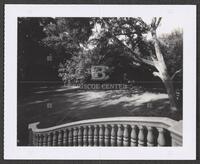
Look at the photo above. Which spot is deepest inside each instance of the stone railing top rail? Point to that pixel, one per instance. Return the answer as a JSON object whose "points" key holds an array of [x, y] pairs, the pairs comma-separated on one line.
{"points": [[163, 122]]}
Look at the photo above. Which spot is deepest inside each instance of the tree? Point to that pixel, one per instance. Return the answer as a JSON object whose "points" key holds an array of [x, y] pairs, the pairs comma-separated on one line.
{"points": [[125, 36], [159, 64], [67, 37], [132, 31], [172, 49]]}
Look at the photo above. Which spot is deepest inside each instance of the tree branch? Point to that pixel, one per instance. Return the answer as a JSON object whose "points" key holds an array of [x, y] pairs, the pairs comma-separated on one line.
{"points": [[159, 20], [139, 59], [157, 74], [161, 42], [155, 23], [175, 73], [149, 62]]}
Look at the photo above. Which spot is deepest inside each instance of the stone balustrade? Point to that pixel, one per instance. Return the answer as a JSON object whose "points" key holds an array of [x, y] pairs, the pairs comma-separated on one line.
{"points": [[115, 131]]}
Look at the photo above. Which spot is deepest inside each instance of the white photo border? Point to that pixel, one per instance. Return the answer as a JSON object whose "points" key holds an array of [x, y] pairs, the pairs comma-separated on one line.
{"points": [[187, 151]]}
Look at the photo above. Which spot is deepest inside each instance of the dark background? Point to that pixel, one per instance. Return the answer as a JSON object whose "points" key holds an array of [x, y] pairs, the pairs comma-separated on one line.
{"points": [[194, 2]]}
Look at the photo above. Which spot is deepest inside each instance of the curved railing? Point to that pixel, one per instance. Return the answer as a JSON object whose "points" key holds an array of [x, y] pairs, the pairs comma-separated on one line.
{"points": [[114, 131]]}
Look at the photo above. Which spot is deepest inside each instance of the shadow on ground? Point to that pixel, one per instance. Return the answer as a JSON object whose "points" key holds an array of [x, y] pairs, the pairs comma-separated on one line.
{"points": [[57, 105]]}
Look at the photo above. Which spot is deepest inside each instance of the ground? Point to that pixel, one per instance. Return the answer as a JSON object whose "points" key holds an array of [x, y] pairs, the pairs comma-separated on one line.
{"points": [[59, 104]]}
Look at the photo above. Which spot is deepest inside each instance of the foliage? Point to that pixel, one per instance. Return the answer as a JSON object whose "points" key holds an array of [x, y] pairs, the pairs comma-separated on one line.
{"points": [[172, 50], [119, 43], [76, 69], [105, 50], [65, 35]]}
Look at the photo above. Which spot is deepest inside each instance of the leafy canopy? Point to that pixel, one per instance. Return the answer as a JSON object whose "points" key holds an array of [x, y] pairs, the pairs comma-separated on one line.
{"points": [[120, 43]]}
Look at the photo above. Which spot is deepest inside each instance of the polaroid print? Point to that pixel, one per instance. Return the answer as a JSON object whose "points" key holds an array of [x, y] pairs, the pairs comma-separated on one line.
{"points": [[100, 82]]}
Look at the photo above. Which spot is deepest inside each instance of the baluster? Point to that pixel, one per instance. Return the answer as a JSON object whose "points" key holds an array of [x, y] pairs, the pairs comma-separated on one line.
{"points": [[40, 140], [34, 139], [30, 137], [96, 135], [90, 136], [49, 139], [80, 136], [101, 135], [150, 137], [119, 135], [75, 136], [161, 137], [107, 135], [134, 137], [113, 135], [44, 142], [37, 139], [85, 136], [126, 136], [65, 138], [60, 138], [141, 136], [70, 137], [55, 138]]}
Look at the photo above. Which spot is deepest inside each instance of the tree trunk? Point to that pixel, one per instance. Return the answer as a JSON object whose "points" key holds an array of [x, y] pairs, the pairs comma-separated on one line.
{"points": [[168, 83], [163, 74], [170, 91]]}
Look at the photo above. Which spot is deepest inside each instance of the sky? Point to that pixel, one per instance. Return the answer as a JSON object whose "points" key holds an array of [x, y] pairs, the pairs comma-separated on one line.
{"points": [[168, 24]]}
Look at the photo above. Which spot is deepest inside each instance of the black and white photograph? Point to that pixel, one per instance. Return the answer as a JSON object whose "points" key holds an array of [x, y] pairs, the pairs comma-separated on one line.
{"points": [[109, 81], [99, 69]]}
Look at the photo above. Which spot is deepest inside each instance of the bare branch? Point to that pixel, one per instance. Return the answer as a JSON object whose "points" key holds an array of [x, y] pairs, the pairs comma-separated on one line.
{"points": [[175, 73], [153, 22], [161, 42], [157, 74], [149, 62], [158, 22]]}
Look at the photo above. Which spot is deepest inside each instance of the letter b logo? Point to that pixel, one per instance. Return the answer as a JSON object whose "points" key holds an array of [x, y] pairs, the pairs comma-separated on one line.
{"points": [[99, 72]]}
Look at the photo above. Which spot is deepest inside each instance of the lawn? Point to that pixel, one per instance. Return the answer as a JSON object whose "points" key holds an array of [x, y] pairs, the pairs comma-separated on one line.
{"points": [[59, 104]]}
